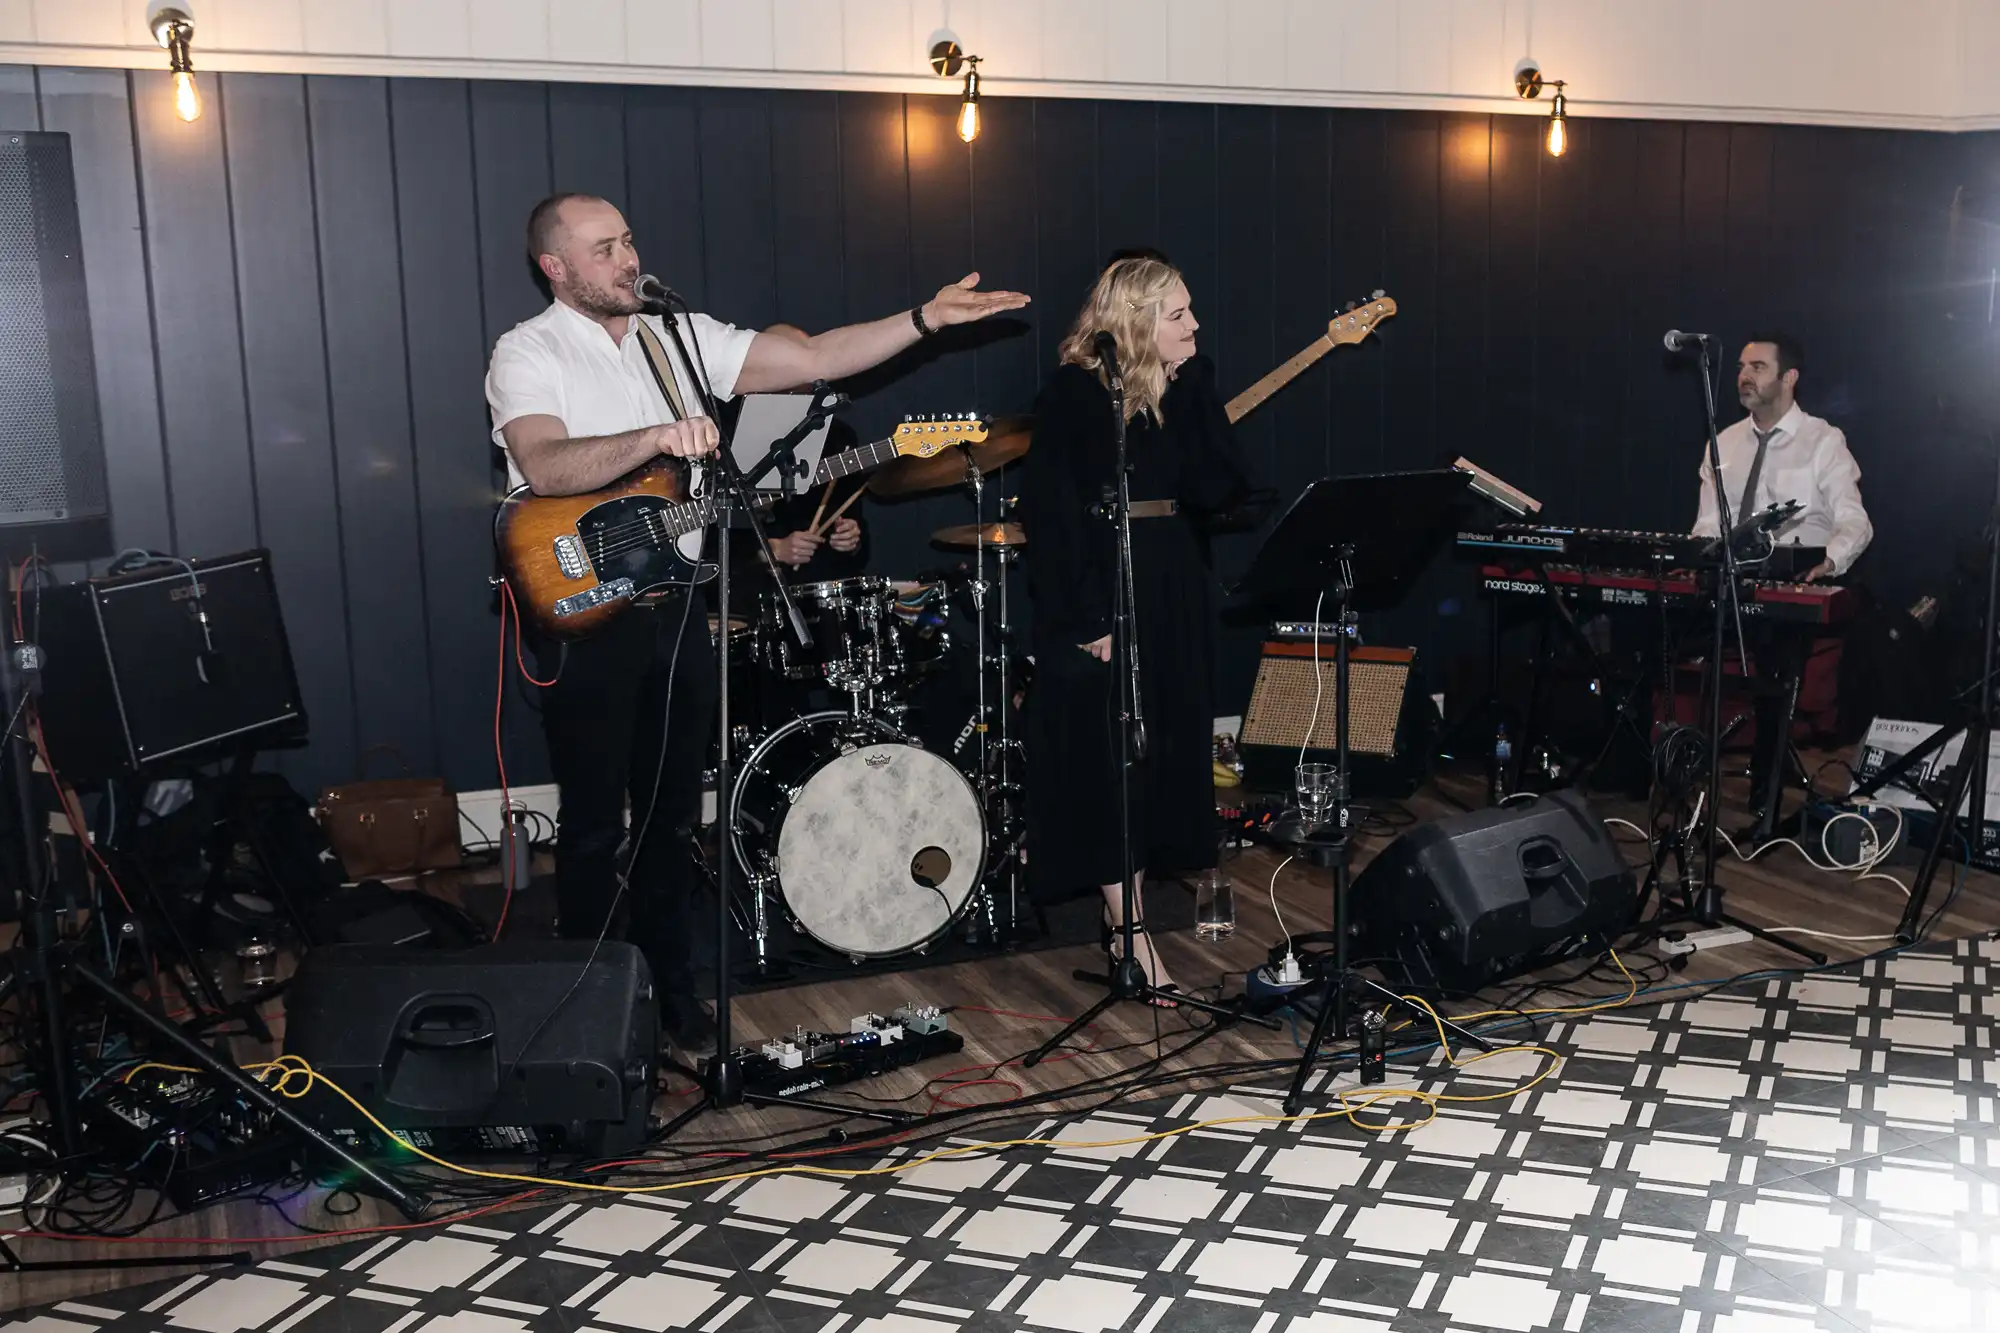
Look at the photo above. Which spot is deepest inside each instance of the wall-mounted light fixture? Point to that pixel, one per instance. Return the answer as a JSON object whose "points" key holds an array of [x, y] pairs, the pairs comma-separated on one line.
{"points": [[1528, 82], [948, 59], [174, 29]]}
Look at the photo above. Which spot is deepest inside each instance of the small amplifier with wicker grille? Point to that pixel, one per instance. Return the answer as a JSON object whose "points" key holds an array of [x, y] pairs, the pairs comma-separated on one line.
{"points": [[1385, 738]]}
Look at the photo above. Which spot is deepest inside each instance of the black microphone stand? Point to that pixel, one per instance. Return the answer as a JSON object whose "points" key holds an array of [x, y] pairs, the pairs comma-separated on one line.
{"points": [[780, 455], [1127, 980], [1705, 906], [722, 1078]]}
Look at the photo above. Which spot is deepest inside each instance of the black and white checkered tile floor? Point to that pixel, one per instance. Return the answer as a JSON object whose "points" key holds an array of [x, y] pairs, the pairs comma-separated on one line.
{"points": [[1794, 1155]]}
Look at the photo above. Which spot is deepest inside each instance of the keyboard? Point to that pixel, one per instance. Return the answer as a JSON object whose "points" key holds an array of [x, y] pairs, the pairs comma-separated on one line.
{"points": [[1615, 548], [1592, 587]]}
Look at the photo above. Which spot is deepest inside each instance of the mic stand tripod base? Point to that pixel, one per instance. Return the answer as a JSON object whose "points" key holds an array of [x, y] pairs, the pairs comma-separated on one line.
{"points": [[1329, 846], [1127, 981]]}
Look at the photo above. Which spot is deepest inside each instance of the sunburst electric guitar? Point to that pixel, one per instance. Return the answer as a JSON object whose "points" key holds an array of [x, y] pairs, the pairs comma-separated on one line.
{"points": [[576, 561], [1353, 325]]}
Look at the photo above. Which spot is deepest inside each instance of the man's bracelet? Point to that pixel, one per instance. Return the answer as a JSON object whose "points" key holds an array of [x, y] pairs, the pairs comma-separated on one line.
{"points": [[917, 318]]}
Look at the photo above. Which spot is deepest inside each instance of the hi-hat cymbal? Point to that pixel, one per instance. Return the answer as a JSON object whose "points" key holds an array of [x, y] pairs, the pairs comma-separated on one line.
{"points": [[1006, 440], [972, 534]]}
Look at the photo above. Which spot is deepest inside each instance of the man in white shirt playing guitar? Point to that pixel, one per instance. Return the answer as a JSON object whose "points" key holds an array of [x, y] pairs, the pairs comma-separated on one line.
{"points": [[629, 718]]}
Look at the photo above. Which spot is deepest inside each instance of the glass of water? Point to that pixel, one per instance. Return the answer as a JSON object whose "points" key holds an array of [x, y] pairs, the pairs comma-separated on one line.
{"points": [[1313, 786], [1214, 906]]}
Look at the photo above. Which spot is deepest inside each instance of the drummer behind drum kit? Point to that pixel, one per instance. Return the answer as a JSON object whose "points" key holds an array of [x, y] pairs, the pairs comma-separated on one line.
{"points": [[872, 845]]}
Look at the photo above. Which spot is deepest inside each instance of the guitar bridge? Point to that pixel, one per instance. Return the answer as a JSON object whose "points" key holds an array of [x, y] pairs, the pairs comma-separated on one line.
{"points": [[569, 556], [592, 598]]}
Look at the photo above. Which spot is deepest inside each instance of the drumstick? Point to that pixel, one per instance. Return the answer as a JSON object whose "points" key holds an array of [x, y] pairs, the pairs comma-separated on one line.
{"points": [[834, 517], [825, 495]]}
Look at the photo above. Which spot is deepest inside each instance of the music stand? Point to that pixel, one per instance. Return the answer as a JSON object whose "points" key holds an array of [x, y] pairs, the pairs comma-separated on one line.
{"points": [[1359, 541]]}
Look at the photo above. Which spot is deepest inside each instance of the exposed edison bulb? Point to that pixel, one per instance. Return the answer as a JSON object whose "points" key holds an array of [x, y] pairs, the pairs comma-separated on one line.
{"points": [[968, 107], [1558, 139], [187, 98]]}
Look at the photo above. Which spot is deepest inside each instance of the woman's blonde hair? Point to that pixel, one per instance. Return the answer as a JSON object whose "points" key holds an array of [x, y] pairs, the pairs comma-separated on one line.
{"points": [[1126, 302]]}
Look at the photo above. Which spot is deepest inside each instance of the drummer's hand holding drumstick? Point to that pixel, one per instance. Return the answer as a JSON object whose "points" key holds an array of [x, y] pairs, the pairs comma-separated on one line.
{"points": [[797, 548], [845, 536]]}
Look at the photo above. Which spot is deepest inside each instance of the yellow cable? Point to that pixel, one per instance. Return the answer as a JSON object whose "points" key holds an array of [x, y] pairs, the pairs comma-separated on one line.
{"points": [[292, 1068]]}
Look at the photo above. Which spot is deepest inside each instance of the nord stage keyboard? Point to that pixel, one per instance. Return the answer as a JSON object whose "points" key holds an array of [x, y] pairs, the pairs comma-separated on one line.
{"points": [[1585, 586]]}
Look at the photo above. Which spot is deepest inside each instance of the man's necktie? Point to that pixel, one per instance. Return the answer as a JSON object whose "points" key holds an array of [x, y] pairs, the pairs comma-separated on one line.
{"points": [[1748, 503]]}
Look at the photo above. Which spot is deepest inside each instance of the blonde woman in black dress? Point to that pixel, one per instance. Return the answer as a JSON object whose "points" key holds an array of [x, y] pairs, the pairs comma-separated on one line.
{"points": [[1181, 448]]}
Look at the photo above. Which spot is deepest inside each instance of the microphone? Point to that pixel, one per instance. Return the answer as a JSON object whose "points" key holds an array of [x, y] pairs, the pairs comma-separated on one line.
{"points": [[652, 292], [1677, 341], [1107, 352]]}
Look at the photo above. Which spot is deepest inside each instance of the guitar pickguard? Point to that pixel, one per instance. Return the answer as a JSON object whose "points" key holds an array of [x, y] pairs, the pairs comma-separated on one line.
{"points": [[628, 543]]}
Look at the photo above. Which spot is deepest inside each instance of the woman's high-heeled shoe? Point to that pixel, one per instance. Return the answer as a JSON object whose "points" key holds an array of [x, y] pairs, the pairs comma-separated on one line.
{"points": [[1110, 936]]}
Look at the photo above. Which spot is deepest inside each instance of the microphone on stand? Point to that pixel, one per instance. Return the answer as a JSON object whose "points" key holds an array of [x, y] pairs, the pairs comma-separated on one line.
{"points": [[1107, 352], [652, 293], [1677, 341]]}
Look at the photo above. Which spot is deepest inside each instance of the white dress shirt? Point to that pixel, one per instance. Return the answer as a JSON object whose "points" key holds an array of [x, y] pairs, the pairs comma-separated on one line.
{"points": [[563, 364], [1807, 461]]}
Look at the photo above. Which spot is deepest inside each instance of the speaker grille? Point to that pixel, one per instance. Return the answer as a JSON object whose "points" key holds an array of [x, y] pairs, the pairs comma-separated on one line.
{"points": [[51, 455], [1281, 704]]}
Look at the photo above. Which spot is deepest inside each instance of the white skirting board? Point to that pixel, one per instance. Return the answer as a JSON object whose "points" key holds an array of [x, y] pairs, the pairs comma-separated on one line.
{"points": [[479, 812]]}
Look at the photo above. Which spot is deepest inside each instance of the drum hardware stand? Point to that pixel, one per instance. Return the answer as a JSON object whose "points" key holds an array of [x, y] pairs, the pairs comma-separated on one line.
{"points": [[1127, 979], [722, 1075], [1702, 905], [993, 758]]}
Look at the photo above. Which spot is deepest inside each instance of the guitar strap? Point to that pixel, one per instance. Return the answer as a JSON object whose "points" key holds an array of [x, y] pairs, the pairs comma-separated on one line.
{"points": [[663, 367]]}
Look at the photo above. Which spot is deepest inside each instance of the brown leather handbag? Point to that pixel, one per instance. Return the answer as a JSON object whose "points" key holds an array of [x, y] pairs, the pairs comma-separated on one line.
{"points": [[391, 826]]}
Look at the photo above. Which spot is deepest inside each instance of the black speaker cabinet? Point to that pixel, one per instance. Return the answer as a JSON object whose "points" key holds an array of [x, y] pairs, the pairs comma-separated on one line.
{"points": [[52, 487], [131, 678], [1469, 900], [536, 1046]]}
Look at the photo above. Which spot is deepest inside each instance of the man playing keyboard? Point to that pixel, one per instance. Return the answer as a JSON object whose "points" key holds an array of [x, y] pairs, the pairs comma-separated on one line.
{"points": [[1777, 454]]}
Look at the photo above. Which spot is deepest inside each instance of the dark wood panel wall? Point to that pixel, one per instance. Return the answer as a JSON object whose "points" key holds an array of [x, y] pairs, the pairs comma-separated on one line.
{"points": [[293, 299]]}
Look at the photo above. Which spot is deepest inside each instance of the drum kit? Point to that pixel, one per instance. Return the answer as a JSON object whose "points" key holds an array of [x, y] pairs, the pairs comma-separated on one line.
{"points": [[870, 844]]}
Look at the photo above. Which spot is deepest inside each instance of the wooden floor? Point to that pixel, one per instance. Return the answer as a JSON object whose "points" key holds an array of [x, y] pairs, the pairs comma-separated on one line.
{"points": [[1006, 1004]]}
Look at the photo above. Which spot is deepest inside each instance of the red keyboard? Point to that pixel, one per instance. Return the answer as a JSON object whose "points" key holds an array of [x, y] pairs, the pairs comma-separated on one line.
{"points": [[1586, 586]]}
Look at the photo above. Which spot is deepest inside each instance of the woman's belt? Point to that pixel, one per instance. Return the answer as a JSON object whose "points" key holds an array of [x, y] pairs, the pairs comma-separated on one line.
{"points": [[1155, 508]]}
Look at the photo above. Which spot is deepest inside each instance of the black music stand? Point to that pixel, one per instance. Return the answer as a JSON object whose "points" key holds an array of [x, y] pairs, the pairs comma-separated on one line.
{"points": [[1361, 542]]}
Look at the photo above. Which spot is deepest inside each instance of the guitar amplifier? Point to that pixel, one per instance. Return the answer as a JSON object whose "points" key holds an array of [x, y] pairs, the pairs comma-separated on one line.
{"points": [[135, 676], [1386, 735]]}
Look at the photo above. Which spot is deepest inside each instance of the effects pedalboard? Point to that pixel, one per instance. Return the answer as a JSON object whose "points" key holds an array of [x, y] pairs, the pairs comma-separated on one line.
{"points": [[803, 1061], [189, 1137]]}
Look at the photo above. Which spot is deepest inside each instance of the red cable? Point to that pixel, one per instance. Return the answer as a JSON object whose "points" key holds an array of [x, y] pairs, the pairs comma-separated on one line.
{"points": [[508, 607]]}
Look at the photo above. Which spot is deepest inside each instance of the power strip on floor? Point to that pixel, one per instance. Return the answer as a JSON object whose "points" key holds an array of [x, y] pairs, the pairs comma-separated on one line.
{"points": [[1701, 941]]}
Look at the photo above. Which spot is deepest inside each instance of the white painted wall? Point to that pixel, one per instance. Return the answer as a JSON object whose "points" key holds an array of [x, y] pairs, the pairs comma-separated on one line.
{"points": [[1908, 63]]}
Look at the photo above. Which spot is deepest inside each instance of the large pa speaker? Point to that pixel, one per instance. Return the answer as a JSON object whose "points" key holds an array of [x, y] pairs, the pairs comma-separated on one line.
{"points": [[537, 1046], [135, 675], [1472, 899], [52, 489]]}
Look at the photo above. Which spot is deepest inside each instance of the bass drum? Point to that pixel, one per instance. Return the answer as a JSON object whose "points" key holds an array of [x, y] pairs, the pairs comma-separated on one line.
{"points": [[876, 844]]}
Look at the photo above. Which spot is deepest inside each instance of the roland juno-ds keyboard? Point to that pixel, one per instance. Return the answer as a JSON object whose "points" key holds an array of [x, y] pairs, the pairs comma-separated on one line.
{"points": [[1587, 587], [1613, 548]]}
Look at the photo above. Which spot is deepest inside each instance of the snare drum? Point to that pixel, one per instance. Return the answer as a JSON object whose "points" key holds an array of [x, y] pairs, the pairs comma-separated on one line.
{"points": [[875, 843]]}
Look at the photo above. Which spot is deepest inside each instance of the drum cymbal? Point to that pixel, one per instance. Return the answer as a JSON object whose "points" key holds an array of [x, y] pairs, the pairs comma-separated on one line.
{"points": [[971, 534], [1006, 440]]}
